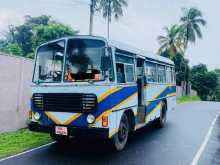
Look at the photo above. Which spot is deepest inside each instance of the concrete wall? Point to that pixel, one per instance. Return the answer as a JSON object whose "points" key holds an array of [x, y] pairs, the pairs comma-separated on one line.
{"points": [[179, 91], [15, 92]]}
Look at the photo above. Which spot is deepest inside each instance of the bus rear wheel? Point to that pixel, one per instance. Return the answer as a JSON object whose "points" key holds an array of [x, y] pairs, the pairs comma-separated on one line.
{"points": [[120, 139], [161, 121]]}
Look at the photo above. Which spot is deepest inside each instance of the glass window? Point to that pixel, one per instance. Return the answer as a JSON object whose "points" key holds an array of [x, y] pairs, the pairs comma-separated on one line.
{"points": [[124, 59], [49, 62], [169, 75], [84, 60], [120, 73], [151, 72], [129, 72], [173, 75], [124, 68], [161, 73]]}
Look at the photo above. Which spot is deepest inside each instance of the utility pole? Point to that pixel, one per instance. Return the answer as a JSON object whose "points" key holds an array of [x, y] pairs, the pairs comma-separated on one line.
{"points": [[92, 6], [109, 17]]}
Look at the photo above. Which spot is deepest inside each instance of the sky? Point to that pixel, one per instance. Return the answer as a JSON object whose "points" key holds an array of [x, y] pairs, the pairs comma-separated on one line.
{"points": [[142, 22]]}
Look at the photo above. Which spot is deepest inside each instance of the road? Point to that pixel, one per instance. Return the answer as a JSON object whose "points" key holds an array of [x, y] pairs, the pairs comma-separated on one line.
{"points": [[176, 144]]}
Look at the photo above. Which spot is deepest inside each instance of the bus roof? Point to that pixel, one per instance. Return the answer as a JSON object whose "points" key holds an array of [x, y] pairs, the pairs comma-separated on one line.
{"points": [[146, 54], [122, 46]]}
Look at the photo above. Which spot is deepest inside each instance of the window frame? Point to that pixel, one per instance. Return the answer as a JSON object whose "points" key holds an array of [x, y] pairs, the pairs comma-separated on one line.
{"points": [[124, 66]]}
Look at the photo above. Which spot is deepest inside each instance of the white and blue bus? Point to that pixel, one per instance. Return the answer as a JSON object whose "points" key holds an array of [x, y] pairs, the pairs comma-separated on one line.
{"points": [[89, 86]]}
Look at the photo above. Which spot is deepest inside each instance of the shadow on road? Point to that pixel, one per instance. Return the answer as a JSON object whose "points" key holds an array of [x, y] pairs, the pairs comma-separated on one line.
{"points": [[99, 152]]}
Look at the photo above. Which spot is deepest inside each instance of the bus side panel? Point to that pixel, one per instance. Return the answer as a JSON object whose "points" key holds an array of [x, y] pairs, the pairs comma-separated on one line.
{"points": [[154, 95], [129, 103]]}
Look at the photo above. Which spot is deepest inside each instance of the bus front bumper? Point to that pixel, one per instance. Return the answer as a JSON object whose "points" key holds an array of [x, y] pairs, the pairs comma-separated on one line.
{"points": [[96, 133]]}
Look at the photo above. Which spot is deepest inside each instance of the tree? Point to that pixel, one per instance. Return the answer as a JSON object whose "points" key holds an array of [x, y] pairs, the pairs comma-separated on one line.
{"points": [[52, 31], [112, 7], [34, 32], [40, 20], [170, 42], [182, 69], [93, 7], [191, 23], [203, 82]]}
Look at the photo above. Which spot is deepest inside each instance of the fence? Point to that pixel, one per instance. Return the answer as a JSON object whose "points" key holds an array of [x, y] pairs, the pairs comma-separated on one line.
{"points": [[15, 92]]}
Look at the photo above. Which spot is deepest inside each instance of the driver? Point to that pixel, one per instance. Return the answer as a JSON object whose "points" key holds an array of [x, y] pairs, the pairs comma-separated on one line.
{"points": [[68, 75]]}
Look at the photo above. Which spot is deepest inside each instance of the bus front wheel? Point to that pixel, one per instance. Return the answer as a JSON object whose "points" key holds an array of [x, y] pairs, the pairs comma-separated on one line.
{"points": [[120, 139]]}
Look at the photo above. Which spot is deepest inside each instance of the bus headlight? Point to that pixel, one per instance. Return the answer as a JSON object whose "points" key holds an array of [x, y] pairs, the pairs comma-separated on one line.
{"points": [[37, 116], [90, 118]]}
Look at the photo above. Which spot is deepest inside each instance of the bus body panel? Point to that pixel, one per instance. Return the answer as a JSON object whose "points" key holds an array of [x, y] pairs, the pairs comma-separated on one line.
{"points": [[112, 101]]}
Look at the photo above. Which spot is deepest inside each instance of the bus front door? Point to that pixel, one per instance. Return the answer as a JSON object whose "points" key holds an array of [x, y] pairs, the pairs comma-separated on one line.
{"points": [[141, 94]]}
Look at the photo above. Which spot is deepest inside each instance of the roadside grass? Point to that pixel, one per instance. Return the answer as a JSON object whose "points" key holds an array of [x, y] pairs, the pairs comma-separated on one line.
{"points": [[21, 140], [186, 99]]}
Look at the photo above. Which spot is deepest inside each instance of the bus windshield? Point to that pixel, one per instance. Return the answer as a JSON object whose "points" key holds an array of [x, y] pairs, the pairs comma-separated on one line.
{"points": [[49, 62], [84, 60]]}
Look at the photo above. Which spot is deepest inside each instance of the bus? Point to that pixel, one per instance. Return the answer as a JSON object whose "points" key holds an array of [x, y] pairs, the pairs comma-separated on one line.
{"points": [[88, 86]]}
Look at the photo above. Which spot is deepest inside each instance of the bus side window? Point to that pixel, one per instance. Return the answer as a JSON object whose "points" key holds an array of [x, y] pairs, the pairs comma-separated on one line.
{"points": [[161, 73], [151, 72], [169, 75], [129, 70], [120, 73]]}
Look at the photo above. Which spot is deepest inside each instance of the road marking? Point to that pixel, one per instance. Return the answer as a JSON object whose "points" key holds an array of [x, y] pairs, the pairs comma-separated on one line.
{"points": [[22, 153], [205, 142]]}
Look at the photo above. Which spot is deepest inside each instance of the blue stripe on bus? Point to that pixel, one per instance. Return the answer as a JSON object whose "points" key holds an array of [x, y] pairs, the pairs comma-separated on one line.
{"points": [[108, 103]]}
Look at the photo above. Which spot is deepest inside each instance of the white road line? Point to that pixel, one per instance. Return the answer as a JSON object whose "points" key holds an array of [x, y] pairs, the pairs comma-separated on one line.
{"points": [[22, 153], [203, 145]]}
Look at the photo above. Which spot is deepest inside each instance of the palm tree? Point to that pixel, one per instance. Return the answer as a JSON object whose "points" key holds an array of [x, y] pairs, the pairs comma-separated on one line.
{"points": [[93, 6], [191, 23], [112, 7], [171, 42]]}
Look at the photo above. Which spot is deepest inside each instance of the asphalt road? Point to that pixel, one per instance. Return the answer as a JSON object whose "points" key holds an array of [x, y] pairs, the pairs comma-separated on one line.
{"points": [[176, 144]]}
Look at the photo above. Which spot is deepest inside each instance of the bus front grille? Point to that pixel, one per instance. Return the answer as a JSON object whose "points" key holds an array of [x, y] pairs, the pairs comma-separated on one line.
{"points": [[65, 102]]}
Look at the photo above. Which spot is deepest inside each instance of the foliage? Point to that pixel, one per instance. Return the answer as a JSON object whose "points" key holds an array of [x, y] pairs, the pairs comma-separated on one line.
{"points": [[217, 91], [204, 82], [170, 42], [112, 7], [19, 141], [182, 68], [191, 23], [174, 43], [23, 39], [52, 31], [187, 99]]}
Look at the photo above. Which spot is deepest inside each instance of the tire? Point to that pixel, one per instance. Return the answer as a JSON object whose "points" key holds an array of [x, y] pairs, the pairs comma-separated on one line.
{"points": [[120, 139], [161, 121]]}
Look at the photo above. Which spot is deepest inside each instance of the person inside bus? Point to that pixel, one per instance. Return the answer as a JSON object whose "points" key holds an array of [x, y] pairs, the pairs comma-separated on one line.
{"points": [[80, 63], [120, 73]]}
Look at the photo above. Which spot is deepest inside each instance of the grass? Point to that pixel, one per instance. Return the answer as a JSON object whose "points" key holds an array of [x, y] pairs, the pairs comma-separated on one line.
{"points": [[186, 99], [21, 140]]}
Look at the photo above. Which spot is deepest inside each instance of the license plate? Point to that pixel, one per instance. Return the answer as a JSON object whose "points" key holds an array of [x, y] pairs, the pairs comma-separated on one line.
{"points": [[61, 130]]}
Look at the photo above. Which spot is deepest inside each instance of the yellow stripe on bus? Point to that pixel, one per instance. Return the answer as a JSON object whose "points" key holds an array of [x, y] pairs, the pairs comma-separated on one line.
{"points": [[154, 110], [53, 117], [114, 131], [115, 107], [72, 119], [108, 93]]}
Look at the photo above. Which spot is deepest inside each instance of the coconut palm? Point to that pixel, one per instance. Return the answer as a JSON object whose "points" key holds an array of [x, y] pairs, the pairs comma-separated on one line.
{"points": [[171, 42], [191, 23], [112, 7], [93, 7]]}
